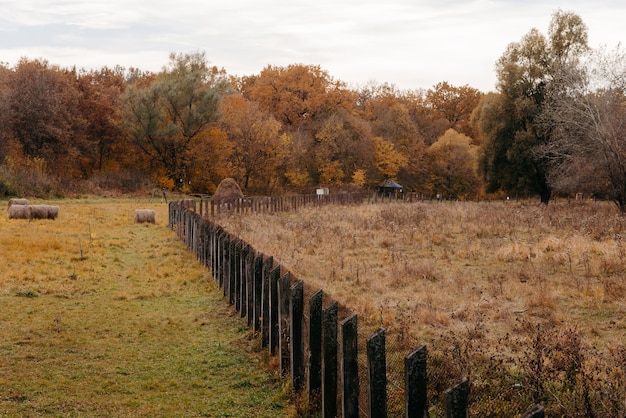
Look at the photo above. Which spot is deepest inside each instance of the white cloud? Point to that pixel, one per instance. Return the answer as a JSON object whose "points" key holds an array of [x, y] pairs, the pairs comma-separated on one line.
{"points": [[411, 43]]}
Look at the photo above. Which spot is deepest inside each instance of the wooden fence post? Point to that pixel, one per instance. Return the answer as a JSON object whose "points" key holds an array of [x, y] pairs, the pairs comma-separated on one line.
{"points": [[377, 372], [257, 290], [265, 302], [224, 282], [250, 286], [274, 331], [415, 384], [215, 252], [243, 280], [232, 268], [536, 411], [235, 273], [284, 322], [457, 400], [296, 334], [315, 349], [350, 367], [206, 242], [329, 361]]}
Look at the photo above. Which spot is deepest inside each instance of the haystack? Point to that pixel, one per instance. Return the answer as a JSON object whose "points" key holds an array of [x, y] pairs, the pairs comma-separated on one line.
{"points": [[227, 191]]}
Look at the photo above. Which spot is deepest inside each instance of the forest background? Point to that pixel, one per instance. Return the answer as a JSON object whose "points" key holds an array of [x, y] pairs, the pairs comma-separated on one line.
{"points": [[554, 124]]}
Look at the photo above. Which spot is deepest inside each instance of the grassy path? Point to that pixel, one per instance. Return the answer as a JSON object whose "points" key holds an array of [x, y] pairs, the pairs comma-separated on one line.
{"points": [[104, 317]]}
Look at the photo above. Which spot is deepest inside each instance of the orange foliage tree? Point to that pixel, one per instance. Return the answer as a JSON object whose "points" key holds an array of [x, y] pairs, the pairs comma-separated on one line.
{"points": [[44, 117], [455, 105], [258, 147]]}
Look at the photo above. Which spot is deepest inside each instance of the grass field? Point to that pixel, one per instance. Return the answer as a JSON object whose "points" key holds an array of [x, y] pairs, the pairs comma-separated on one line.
{"points": [[104, 317], [527, 301]]}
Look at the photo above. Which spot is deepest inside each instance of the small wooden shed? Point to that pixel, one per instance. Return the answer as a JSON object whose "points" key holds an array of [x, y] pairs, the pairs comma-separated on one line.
{"points": [[390, 189]]}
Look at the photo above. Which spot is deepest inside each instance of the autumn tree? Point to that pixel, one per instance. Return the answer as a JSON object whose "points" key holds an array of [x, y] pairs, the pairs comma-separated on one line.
{"points": [[512, 138], [585, 112], [44, 117], [452, 166], [257, 143], [343, 145], [383, 108], [168, 117], [6, 76], [210, 163], [100, 105], [389, 160], [296, 94], [455, 105]]}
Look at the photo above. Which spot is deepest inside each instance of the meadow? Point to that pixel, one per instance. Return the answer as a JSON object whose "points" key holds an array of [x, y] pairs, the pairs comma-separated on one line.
{"points": [[525, 300], [105, 317]]}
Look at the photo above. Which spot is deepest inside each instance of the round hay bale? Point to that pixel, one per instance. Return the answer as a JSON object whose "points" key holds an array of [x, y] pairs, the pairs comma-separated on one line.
{"points": [[18, 201], [227, 191], [19, 212], [145, 215]]}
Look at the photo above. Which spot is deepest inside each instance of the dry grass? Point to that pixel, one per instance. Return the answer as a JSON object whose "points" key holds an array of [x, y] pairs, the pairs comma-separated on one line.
{"points": [[486, 275], [105, 317]]}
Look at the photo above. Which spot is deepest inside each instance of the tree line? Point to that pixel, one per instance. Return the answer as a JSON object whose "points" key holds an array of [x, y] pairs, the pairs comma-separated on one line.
{"points": [[552, 125]]}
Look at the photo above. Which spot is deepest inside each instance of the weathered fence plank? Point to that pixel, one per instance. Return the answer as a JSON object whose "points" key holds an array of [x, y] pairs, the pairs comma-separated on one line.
{"points": [[268, 264], [274, 331], [284, 322], [377, 374], [329, 360], [415, 384], [250, 286], [224, 279], [296, 334], [233, 290], [536, 411], [257, 290], [457, 400], [243, 280], [315, 351], [350, 367]]}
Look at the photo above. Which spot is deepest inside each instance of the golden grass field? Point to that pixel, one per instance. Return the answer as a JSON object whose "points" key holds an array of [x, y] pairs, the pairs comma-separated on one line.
{"points": [[105, 317], [535, 293]]}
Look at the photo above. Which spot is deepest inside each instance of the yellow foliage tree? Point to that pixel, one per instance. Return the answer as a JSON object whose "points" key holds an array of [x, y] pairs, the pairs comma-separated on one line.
{"points": [[359, 178], [453, 163], [388, 159]]}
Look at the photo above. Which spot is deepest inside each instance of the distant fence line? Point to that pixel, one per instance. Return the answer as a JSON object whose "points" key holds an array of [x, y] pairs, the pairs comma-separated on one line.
{"points": [[272, 204], [306, 335]]}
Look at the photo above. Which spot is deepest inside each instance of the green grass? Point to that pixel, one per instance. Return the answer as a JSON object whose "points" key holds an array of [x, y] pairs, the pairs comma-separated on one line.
{"points": [[104, 317]]}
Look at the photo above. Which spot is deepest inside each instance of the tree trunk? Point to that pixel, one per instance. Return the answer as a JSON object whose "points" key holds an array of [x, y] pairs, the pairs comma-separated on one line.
{"points": [[545, 196]]}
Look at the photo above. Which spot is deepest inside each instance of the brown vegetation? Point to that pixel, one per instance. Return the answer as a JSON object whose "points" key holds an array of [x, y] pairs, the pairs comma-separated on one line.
{"points": [[524, 299]]}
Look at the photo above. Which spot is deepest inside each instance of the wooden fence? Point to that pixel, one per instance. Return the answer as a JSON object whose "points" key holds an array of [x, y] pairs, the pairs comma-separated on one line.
{"points": [[315, 349], [272, 204]]}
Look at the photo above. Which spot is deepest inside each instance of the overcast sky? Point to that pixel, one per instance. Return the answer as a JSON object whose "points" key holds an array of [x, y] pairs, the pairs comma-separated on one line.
{"points": [[410, 43]]}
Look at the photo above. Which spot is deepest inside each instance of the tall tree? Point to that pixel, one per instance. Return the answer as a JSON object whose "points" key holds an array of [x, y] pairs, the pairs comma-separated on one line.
{"points": [[343, 145], [296, 94], [257, 144], [452, 166], [44, 117], [524, 72], [454, 104], [99, 103], [168, 116], [6, 137], [382, 106], [585, 112]]}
